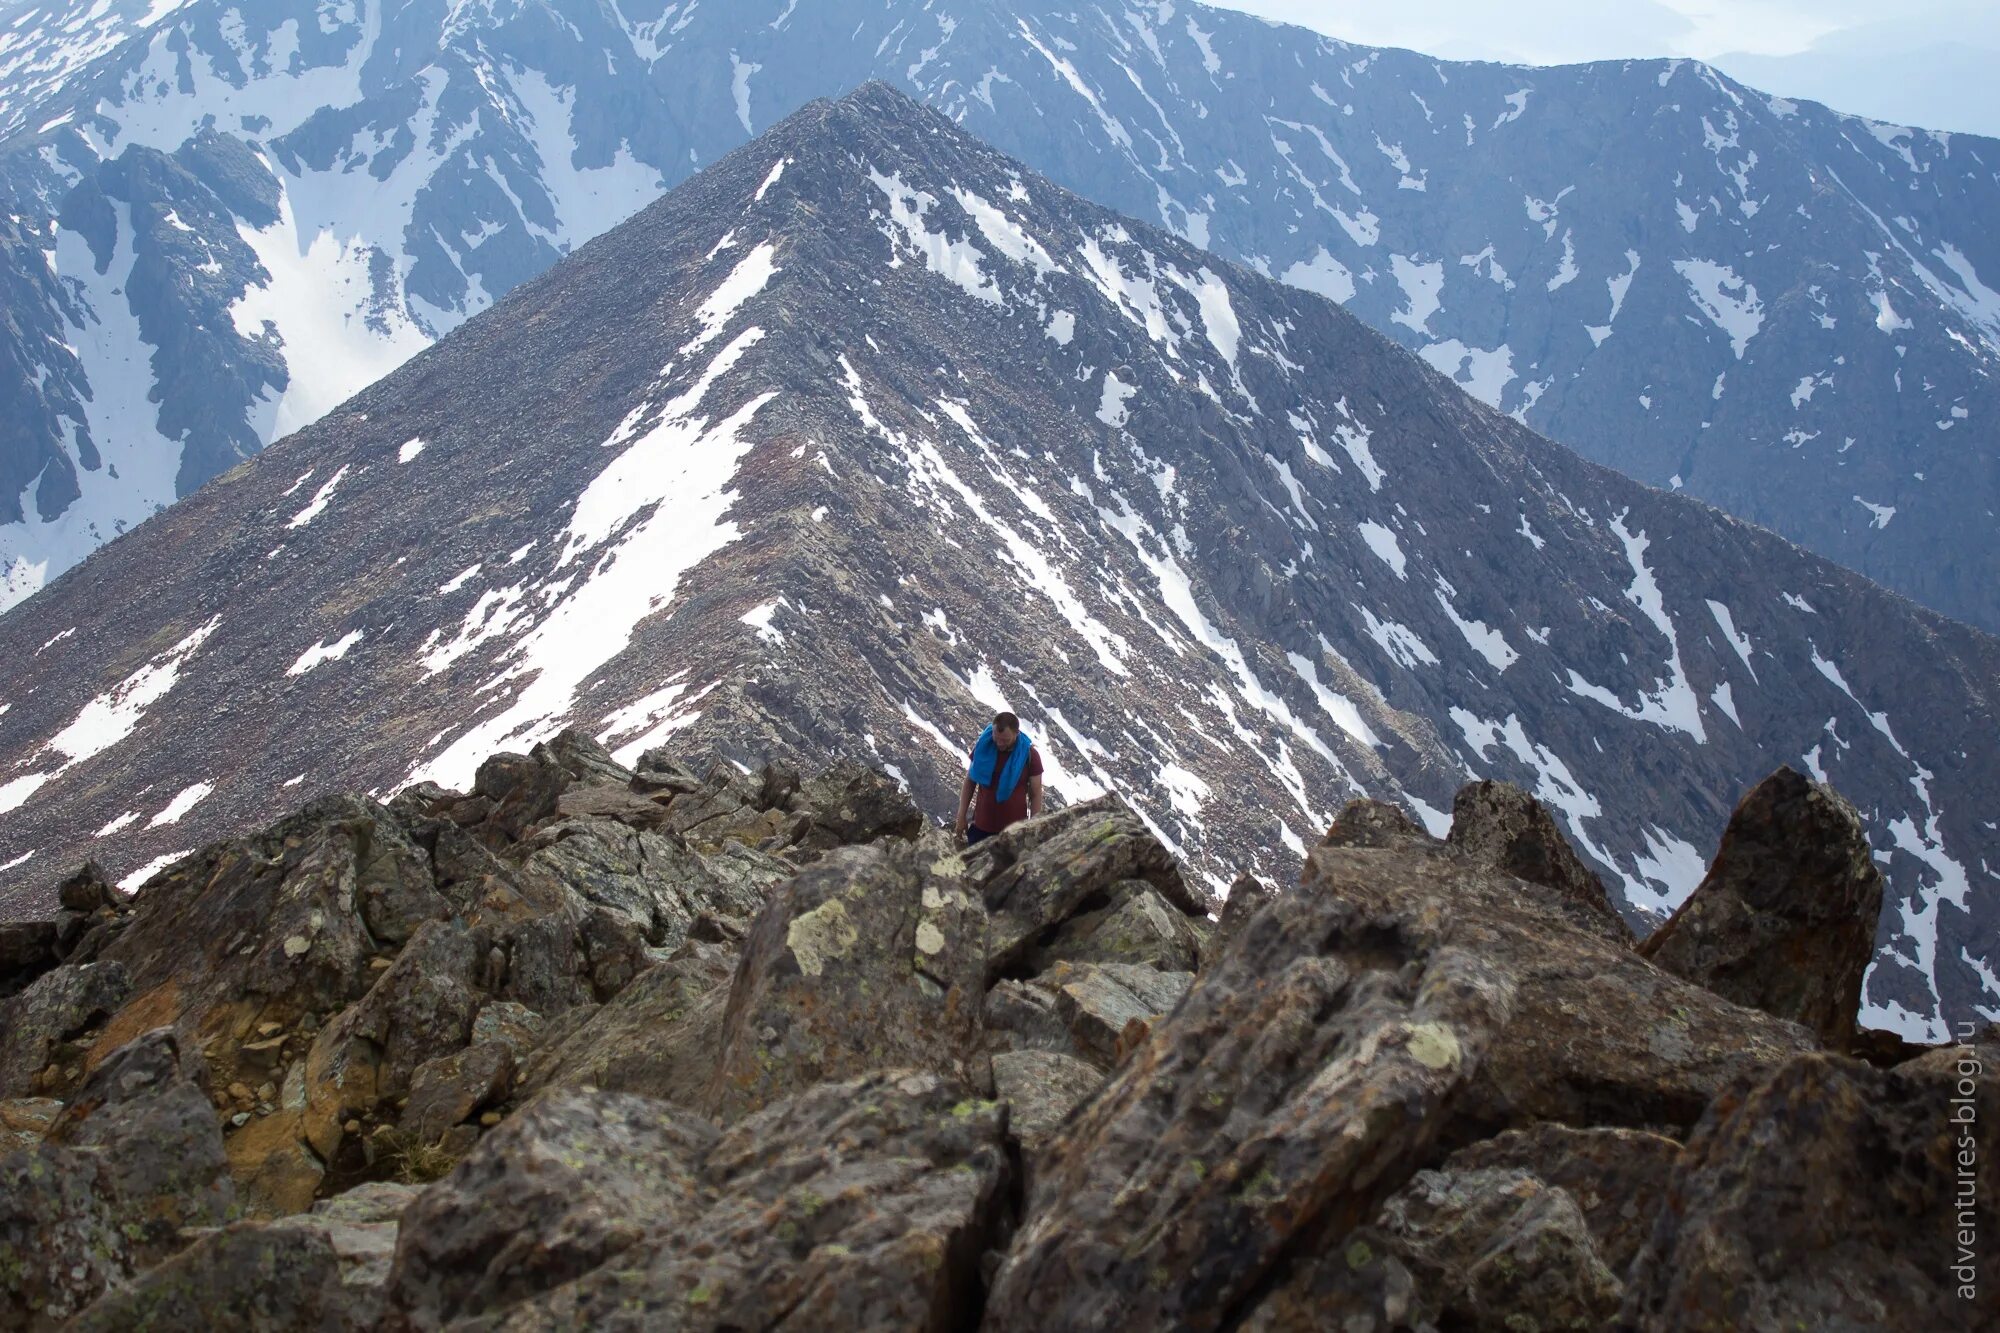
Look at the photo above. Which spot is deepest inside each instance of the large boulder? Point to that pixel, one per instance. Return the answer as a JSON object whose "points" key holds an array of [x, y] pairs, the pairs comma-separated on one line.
{"points": [[242, 1279], [1829, 1194], [1599, 1036], [1303, 1079], [1500, 825], [562, 1186], [865, 1204], [132, 1160], [872, 958], [659, 1036], [143, 1114], [1785, 919], [1042, 872], [57, 1008]]}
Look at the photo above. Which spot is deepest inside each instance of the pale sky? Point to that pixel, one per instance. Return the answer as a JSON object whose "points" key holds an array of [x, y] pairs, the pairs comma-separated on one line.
{"points": [[1925, 62]]}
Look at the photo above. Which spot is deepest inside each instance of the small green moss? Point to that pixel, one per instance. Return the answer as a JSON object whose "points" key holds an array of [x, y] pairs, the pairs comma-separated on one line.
{"points": [[1359, 1255]]}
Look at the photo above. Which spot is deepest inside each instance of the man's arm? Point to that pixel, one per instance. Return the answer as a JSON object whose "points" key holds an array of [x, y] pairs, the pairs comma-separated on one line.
{"points": [[1034, 795], [965, 790]]}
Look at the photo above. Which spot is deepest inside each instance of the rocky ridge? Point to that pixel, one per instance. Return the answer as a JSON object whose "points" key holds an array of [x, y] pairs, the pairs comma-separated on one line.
{"points": [[1789, 312], [866, 432], [688, 1045]]}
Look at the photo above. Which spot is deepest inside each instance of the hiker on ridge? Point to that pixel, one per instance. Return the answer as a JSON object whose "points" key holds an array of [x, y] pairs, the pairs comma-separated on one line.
{"points": [[1003, 782]]}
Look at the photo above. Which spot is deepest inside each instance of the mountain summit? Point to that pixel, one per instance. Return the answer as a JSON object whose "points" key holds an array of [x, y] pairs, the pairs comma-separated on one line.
{"points": [[867, 431]]}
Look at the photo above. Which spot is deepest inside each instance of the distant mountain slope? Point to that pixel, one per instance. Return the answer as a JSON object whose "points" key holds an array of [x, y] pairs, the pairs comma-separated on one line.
{"points": [[867, 431], [231, 215]]}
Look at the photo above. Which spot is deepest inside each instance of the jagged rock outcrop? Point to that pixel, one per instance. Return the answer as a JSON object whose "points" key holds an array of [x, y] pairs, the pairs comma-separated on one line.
{"points": [[1285, 1095], [1501, 825], [1785, 920], [1597, 1035], [1825, 1194], [122, 1170], [866, 1203], [897, 1084]]}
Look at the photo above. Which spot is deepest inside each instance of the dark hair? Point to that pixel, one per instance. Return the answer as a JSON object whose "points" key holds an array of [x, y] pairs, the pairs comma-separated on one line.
{"points": [[1006, 722]]}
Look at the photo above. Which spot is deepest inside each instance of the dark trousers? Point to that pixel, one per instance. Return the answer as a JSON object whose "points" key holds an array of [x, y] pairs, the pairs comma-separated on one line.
{"points": [[974, 834]]}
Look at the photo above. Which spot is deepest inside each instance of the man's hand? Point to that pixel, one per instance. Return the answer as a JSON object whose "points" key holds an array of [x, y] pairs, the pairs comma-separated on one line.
{"points": [[958, 829]]}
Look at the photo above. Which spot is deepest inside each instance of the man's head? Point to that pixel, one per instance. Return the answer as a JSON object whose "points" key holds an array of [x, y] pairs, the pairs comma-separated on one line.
{"points": [[1006, 730]]}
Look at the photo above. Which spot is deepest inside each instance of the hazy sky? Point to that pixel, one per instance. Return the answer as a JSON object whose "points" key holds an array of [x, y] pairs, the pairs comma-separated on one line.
{"points": [[1925, 62]]}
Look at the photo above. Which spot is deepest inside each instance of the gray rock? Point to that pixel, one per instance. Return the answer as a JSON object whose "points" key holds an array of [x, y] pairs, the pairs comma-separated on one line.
{"points": [[660, 1036], [872, 958], [1041, 1088], [1136, 926], [63, 1004], [143, 1114], [242, 1279], [867, 1203], [561, 1187]]}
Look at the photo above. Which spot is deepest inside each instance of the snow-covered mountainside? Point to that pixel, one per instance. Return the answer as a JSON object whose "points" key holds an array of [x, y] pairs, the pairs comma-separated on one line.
{"points": [[225, 216], [867, 430]]}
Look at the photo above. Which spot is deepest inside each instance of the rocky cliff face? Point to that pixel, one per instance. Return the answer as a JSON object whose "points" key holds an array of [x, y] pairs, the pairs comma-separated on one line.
{"points": [[867, 432], [651, 1047], [225, 218]]}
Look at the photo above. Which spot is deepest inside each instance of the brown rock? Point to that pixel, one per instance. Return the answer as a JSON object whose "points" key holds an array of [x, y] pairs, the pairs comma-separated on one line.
{"points": [[88, 890], [275, 1173], [1498, 824], [1297, 1084], [447, 1089], [1599, 1035], [523, 792], [1829, 1194], [1377, 824], [24, 1120], [1041, 872], [1785, 919]]}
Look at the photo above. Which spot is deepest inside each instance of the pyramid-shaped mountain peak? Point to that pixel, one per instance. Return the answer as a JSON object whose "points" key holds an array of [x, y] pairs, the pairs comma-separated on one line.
{"points": [[867, 431]]}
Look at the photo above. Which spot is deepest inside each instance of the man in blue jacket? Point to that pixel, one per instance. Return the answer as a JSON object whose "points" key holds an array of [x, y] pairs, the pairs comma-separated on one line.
{"points": [[1003, 781]]}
